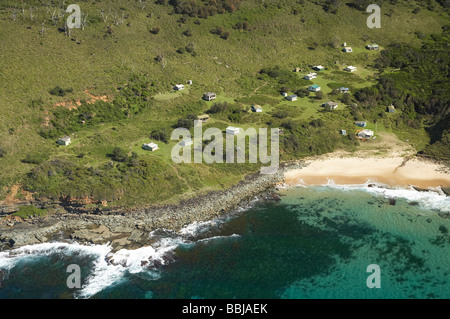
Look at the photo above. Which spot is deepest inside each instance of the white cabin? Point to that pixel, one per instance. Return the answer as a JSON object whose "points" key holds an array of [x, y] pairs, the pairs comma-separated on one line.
{"points": [[310, 76], [350, 68], [367, 134], [292, 97], [64, 141], [150, 147], [232, 130]]}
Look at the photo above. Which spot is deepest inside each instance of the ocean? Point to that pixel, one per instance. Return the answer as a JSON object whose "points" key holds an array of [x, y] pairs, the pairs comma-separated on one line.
{"points": [[315, 242]]}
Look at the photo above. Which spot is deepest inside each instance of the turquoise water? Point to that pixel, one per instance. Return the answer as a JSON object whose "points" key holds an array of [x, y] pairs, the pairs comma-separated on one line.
{"points": [[315, 243]]}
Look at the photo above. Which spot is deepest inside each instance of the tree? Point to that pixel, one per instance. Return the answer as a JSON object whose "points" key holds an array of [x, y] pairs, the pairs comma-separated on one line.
{"points": [[218, 108], [187, 122], [119, 154], [346, 98], [334, 91], [319, 95], [160, 135], [303, 92]]}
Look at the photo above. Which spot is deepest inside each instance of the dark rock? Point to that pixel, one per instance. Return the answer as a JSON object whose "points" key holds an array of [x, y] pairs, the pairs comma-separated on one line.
{"points": [[72, 220], [446, 190]]}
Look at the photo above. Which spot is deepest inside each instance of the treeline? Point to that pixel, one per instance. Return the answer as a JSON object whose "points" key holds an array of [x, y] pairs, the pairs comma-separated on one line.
{"points": [[202, 9], [416, 81], [332, 6]]}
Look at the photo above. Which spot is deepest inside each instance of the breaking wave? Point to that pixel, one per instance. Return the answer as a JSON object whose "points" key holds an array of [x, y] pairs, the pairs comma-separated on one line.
{"points": [[434, 199], [109, 268]]}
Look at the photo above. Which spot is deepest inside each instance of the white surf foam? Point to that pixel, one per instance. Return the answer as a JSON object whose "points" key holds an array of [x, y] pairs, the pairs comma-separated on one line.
{"points": [[109, 268], [432, 199], [10, 258], [196, 228], [219, 237]]}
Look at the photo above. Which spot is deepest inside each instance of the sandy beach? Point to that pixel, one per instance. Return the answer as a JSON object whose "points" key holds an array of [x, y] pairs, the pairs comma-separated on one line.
{"points": [[348, 169]]}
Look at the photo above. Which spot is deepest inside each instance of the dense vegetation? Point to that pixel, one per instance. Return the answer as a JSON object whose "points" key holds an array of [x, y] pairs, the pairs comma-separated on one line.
{"points": [[133, 98], [202, 9], [419, 87]]}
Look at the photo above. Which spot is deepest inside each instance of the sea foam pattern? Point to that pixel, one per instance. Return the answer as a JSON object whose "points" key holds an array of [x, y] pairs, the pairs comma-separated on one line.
{"points": [[109, 268], [433, 199]]}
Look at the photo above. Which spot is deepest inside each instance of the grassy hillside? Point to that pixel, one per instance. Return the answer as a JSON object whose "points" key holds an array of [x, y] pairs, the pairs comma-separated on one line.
{"points": [[131, 57]]}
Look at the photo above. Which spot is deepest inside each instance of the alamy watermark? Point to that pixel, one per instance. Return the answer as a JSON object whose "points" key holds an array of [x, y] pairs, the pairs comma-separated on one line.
{"points": [[74, 20], [374, 20], [374, 280], [74, 279], [213, 152]]}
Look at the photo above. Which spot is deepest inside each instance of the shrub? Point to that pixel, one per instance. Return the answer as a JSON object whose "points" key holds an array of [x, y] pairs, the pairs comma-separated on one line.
{"points": [[242, 26], [303, 92], [235, 117], [346, 98], [225, 35], [319, 95], [238, 25], [187, 122], [183, 19], [155, 30], [57, 90], [218, 30], [317, 123], [187, 33], [218, 108], [35, 158], [27, 211], [281, 114], [36, 103], [119, 154], [190, 48], [160, 135], [202, 9]]}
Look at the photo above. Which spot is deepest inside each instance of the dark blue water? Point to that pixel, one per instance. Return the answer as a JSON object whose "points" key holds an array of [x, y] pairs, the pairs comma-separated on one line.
{"points": [[316, 242]]}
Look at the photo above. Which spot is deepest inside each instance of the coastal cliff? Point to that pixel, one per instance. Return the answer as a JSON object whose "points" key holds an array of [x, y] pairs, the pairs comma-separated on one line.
{"points": [[130, 229]]}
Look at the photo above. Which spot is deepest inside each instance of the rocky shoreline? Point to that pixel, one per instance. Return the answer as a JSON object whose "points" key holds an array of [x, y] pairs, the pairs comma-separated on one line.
{"points": [[130, 229]]}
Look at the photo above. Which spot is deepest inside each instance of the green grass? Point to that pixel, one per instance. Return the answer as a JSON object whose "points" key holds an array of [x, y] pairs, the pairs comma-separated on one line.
{"points": [[28, 211], [33, 64]]}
